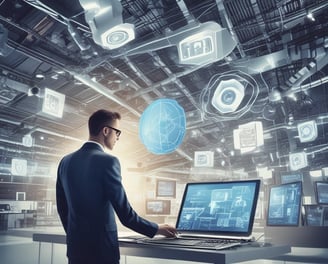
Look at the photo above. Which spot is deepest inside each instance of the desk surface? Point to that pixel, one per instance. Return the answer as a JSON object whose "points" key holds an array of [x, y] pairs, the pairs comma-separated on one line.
{"points": [[237, 254], [233, 255]]}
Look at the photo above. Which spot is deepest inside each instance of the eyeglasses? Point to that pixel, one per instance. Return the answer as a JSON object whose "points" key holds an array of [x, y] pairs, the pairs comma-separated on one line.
{"points": [[117, 131]]}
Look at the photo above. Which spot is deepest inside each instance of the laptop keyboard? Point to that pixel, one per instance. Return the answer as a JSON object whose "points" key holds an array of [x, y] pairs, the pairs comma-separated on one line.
{"points": [[216, 244]]}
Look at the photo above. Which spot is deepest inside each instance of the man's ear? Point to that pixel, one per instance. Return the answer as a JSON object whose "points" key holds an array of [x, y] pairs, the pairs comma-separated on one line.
{"points": [[106, 131]]}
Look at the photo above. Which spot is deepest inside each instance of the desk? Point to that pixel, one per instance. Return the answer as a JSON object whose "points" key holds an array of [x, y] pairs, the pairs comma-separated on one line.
{"points": [[10, 220], [234, 255], [301, 236]]}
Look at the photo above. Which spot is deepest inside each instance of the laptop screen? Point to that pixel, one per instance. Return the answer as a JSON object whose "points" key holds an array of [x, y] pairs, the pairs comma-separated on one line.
{"points": [[219, 208], [284, 204]]}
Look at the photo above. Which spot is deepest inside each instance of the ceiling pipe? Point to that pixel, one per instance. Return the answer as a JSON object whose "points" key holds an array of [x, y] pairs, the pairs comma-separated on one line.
{"points": [[307, 86], [56, 134], [28, 152], [137, 72], [80, 42], [10, 121], [85, 79], [33, 129], [21, 144], [317, 149], [54, 14]]}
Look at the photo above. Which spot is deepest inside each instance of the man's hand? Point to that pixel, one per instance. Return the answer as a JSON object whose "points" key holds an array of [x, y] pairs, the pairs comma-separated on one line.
{"points": [[167, 230]]}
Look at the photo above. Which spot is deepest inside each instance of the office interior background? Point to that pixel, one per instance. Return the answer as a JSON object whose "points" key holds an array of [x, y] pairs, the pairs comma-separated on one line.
{"points": [[212, 90]]}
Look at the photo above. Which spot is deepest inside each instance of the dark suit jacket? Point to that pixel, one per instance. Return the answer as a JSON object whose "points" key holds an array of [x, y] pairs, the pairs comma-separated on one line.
{"points": [[88, 191]]}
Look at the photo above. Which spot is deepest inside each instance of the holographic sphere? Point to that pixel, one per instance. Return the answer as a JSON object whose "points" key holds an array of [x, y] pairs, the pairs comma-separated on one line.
{"points": [[162, 126]]}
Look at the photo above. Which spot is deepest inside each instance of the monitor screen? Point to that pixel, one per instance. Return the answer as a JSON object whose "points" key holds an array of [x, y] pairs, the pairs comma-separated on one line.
{"points": [[321, 191], [219, 208], [284, 204], [165, 188], [313, 215], [158, 207], [291, 177]]}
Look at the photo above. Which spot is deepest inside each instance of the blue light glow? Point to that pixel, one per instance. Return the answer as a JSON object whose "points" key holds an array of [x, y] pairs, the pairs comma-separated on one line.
{"points": [[162, 126]]}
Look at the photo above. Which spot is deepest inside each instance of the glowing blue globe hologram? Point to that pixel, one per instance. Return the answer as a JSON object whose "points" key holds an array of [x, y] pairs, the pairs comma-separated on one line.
{"points": [[162, 126]]}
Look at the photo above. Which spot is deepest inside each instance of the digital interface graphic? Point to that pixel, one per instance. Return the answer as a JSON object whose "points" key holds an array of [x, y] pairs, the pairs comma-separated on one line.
{"points": [[162, 126], [285, 204], [219, 207]]}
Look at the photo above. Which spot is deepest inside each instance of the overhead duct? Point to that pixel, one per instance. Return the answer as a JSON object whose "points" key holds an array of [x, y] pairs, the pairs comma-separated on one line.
{"points": [[106, 23], [13, 84], [278, 59], [196, 43], [298, 78]]}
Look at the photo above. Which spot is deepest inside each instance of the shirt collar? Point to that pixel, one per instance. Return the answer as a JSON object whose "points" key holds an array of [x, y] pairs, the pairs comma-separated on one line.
{"points": [[91, 141]]}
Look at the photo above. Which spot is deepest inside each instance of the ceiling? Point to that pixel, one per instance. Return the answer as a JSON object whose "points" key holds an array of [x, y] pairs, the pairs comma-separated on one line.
{"points": [[280, 56]]}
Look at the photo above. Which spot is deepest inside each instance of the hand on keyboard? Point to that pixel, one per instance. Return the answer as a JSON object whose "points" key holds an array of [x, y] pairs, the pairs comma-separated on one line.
{"points": [[167, 230]]}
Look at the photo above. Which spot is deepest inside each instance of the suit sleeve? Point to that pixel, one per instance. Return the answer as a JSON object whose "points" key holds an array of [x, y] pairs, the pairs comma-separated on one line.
{"points": [[61, 200], [117, 196]]}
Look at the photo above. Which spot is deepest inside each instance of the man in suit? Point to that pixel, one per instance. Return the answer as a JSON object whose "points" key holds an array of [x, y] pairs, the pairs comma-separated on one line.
{"points": [[89, 192]]}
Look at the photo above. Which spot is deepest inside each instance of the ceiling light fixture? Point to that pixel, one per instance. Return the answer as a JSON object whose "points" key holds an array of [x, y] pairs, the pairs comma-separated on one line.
{"points": [[106, 23], [53, 103], [275, 96], [40, 76], [292, 96], [310, 16], [27, 140], [228, 96], [298, 160], [315, 173], [307, 131]]}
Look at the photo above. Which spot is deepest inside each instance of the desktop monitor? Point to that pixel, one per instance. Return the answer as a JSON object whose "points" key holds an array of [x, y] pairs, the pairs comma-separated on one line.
{"points": [[287, 177], [313, 215], [321, 192], [165, 188], [325, 216], [158, 207], [284, 204]]}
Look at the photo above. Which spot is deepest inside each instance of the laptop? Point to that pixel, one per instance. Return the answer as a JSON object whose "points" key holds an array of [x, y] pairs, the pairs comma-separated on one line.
{"points": [[214, 215]]}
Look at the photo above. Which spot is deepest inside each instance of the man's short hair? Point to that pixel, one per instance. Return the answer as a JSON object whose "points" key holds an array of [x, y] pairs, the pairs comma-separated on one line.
{"points": [[100, 119]]}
